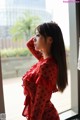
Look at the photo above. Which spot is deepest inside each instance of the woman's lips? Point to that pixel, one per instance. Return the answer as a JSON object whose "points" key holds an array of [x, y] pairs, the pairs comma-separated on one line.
{"points": [[35, 45]]}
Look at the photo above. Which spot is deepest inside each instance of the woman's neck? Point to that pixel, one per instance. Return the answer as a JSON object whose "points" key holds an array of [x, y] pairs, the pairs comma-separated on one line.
{"points": [[46, 55]]}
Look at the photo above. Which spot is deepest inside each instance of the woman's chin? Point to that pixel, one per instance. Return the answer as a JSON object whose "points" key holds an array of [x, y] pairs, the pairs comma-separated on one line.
{"points": [[36, 49]]}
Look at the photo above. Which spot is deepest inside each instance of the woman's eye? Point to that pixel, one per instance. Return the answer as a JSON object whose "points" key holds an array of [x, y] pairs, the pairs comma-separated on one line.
{"points": [[37, 35]]}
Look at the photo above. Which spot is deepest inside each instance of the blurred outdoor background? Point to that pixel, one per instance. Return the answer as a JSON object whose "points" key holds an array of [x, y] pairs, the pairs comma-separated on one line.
{"points": [[18, 20]]}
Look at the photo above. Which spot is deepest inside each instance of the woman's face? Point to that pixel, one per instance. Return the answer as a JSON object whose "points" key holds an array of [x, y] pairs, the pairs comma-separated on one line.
{"points": [[40, 42]]}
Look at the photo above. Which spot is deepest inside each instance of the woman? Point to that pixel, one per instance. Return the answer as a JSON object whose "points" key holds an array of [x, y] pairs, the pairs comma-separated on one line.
{"points": [[48, 75]]}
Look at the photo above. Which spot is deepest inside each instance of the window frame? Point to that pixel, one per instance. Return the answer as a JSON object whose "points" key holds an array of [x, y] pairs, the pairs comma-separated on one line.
{"points": [[75, 73]]}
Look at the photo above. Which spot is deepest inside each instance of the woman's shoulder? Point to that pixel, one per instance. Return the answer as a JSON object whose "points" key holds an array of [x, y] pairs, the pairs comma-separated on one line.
{"points": [[48, 62]]}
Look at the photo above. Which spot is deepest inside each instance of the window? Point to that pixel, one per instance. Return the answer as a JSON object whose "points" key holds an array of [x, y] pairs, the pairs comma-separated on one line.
{"points": [[15, 57]]}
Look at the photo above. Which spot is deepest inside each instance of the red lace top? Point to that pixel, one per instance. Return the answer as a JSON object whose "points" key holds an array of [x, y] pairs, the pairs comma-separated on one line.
{"points": [[39, 82]]}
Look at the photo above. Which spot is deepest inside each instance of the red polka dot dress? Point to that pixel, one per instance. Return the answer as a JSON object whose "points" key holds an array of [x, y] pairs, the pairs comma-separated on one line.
{"points": [[38, 84]]}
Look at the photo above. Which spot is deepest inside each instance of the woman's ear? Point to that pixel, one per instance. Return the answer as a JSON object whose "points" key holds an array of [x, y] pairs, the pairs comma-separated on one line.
{"points": [[50, 40]]}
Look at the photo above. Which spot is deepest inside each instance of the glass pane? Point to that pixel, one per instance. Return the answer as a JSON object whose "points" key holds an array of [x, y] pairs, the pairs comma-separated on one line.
{"points": [[16, 27]]}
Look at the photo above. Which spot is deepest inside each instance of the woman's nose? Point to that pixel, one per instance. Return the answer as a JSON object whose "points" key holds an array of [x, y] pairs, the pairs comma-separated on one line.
{"points": [[34, 39]]}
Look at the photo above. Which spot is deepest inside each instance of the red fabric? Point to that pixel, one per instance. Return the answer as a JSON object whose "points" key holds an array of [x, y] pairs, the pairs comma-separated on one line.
{"points": [[39, 82]]}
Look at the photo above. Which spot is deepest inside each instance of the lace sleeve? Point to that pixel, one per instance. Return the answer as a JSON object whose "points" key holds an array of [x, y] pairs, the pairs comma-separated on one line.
{"points": [[30, 45]]}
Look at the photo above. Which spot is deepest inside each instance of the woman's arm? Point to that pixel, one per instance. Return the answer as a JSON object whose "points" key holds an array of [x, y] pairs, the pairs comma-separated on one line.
{"points": [[42, 95], [30, 45], [39, 103]]}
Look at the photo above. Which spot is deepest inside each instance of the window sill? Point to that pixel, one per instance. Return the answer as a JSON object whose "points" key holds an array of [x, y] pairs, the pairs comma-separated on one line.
{"points": [[67, 115]]}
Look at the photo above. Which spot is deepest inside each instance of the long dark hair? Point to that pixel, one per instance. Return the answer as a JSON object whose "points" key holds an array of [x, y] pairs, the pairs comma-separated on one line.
{"points": [[57, 50]]}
